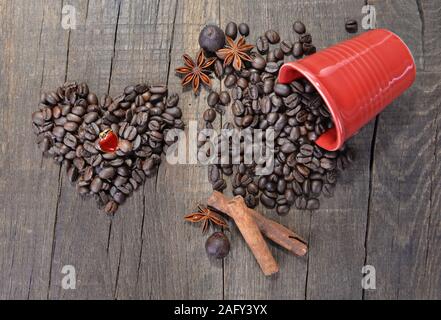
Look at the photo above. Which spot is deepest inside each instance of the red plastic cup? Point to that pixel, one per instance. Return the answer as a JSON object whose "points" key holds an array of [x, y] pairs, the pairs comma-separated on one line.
{"points": [[357, 79]]}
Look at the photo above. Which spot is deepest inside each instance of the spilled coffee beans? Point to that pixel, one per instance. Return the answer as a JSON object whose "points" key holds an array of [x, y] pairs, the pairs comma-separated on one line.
{"points": [[302, 171]]}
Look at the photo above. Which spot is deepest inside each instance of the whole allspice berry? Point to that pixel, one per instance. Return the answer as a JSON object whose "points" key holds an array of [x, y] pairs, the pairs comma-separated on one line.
{"points": [[212, 38], [217, 245]]}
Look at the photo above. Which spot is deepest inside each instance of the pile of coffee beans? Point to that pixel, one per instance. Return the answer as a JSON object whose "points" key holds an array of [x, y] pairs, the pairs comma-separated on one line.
{"points": [[303, 171], [71, 118]]}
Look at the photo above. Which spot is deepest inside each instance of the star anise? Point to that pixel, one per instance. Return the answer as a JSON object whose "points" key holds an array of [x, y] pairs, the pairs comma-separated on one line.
{"points": [[235, 53], [206, 215], [196, 72]]}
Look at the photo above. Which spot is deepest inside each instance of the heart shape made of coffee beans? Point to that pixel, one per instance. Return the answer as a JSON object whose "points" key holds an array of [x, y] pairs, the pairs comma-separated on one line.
{"points": [[68, 126]]}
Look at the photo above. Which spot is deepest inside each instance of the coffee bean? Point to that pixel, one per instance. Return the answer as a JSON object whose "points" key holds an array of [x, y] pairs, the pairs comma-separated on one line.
{"points": [[213, 174], [290, 196], [231, 30], [297, 50], [230, 80], [72, 174], [327, 164], [244, 29], [299, 27], [209, 115], [219, 68], [258, 62], [213, 99], [253, 188], [107, 173], [272, 67], [282, 90], [316, 187], [96, 185], [313, 204], [286, 46], [247, 120], [309, 49], [268, 202], [301, 203], [302, 116], [220, 185], [111, 207], [74, 118], [125, 146], [282, 210], [281, 186], [119, 197], [162, 89], [305, 38], [279, 54], [272, 36], [242, 83], [70, 140], [351, 26], [306, 150], [224, 98], [239, 191], [251, 201], [238, 108], [91, 117], [265, 105], [288, 148], [268, 87], [262, 45], [71, 126]]}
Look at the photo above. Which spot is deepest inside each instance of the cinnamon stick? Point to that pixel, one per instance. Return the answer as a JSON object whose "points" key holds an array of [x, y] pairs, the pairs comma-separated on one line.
{"points": [[270, 228], [252, 235]]}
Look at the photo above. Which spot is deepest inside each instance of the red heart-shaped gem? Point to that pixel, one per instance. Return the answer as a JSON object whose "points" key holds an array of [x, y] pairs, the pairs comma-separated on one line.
{"points": [[108, 141]]}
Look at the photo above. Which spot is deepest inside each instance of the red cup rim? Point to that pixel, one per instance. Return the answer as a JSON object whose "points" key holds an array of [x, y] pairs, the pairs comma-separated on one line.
{"points": [[326, 96]]}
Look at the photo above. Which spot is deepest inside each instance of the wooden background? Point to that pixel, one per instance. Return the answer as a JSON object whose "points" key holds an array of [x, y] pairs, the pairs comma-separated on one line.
{"points": [[386, 211]]}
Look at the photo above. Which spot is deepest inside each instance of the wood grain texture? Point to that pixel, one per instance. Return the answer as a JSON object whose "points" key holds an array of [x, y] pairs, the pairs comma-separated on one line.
{"points": [[404, 205], [385, 212], [404, 209], [81, 230], [33, 55], [173, 259]]}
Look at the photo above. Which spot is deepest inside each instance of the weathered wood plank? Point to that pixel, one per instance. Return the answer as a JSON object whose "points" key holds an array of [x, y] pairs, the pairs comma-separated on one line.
{"points": [[142, 55], [333, 267], [404, 219], [403, 224], [173, 261], [33, 55], [81, 232]]}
